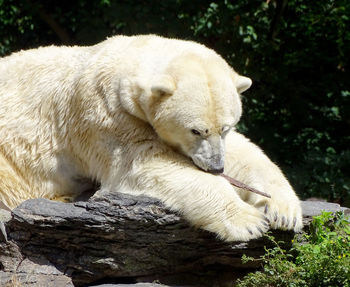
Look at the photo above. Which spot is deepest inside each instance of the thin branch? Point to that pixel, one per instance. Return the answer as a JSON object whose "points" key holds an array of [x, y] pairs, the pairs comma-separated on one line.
{"points": [[54, 25], [239, 184], [280, 7]]}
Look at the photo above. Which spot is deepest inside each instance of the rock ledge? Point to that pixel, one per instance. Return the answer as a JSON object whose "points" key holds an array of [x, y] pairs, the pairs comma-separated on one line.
{"points": [[117, 238]]}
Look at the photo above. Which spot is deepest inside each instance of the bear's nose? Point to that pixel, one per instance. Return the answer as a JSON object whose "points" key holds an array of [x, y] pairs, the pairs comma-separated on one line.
{"points": [[216, 164]]}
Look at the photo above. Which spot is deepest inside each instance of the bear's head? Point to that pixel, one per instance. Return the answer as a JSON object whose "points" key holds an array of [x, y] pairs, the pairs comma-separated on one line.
{"points": [[191, 105]]}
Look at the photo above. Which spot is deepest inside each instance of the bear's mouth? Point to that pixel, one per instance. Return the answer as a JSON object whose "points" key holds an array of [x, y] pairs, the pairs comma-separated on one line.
{"points": [[213, 165], [216, 171]]}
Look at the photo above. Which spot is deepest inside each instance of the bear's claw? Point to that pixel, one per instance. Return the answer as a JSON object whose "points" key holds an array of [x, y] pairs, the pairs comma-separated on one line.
{"points": [[284, 216], [266, 209]]}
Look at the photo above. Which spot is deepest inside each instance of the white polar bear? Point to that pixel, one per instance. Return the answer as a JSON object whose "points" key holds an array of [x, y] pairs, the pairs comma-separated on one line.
{"points": [[141, 115]]}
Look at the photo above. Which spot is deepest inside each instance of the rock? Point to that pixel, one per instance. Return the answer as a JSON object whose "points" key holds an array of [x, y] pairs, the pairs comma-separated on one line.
{"points": [[117, 238], [312, 208], [131, 285]]}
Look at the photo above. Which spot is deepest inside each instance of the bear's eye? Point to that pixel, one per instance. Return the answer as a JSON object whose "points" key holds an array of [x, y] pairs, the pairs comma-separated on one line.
{"points": [[195, 132], [225, 129]]}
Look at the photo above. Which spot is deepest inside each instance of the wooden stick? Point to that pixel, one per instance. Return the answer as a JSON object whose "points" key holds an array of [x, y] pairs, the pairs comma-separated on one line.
{"points": [[239, 184]]}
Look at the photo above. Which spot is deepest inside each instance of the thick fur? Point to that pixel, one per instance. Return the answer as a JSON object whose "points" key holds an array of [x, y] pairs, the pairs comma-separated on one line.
{"points": [[123, 113]]}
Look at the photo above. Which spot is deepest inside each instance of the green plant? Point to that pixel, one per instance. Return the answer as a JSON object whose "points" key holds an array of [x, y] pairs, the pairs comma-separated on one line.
{"points": [[321, 258]]}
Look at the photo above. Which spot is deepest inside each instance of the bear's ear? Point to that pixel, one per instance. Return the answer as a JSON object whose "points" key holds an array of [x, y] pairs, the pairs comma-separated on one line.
{"points": [[243, 84], [137, 96], [130, 94], [163, 84]]}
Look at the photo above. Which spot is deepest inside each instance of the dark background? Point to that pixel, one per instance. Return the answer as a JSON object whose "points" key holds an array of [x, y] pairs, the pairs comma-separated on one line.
{"points": [[296, 52]]}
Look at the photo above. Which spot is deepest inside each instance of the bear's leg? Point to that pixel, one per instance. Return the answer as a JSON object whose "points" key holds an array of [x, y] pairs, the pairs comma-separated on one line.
{"points": [[207, 201], [13, 189], [246, 162], [17, 186]]}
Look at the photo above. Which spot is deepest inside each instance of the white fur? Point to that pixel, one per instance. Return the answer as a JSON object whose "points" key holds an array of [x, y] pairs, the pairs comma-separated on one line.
{"points": [[121, 112]]}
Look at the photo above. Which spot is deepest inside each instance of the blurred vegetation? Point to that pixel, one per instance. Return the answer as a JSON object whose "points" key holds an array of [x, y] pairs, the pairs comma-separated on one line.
{"points": [[297, 53], [318, 259]]}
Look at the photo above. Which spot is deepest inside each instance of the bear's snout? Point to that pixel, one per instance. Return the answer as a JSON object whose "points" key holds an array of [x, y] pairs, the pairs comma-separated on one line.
{"points": [[216, 164], [209, 155]]}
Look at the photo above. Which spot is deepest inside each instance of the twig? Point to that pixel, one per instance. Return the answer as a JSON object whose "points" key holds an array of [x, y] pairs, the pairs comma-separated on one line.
{"points": [[239, 184], [280, 7], [54, 25]]}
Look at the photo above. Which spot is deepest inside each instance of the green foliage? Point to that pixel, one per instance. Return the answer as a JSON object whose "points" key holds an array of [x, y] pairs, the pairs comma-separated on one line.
{"points": [[296, 52], [319, 259]]}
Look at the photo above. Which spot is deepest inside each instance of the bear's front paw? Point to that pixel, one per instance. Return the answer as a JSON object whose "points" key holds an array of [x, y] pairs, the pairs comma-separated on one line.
{"points": [[241, 224], [284, 214]]}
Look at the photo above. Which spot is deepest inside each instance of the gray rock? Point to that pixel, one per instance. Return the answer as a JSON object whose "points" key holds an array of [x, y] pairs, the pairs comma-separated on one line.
{"points": [[131, 285], [312, 208], [116, 237]]}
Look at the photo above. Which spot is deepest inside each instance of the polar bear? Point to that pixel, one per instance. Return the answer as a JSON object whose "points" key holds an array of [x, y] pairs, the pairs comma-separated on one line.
{"points": [[141, 115]]}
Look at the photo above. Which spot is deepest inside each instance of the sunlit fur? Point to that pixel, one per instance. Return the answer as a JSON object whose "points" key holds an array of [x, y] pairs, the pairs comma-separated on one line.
{"points": [[121, 113]]}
